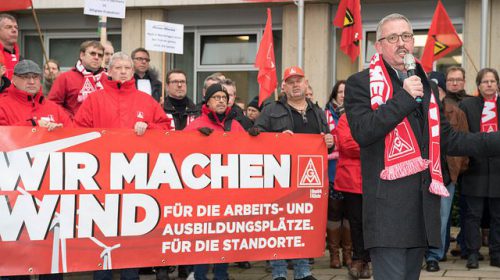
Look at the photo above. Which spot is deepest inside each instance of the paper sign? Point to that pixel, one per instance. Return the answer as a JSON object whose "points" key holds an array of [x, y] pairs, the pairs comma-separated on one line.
{"points": [[164, 37], [107, 8]]}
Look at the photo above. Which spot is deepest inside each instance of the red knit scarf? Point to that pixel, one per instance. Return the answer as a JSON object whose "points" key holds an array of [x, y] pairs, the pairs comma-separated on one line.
{"points": [[11, 59], [91, 82], [489, 118], [402, 155]]}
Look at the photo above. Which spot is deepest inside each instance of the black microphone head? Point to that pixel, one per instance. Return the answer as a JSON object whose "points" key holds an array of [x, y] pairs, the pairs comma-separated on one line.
{"points": [[409, 62]]}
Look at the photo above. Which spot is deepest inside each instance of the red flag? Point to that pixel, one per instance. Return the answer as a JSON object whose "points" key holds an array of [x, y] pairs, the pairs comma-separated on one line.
{"points": [[348, 18], [441, 40], [265, 62], [9, 5]]}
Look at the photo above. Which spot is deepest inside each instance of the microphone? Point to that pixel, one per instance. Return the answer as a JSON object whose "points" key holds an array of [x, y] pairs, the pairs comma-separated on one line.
{"points": [[410, 66]]}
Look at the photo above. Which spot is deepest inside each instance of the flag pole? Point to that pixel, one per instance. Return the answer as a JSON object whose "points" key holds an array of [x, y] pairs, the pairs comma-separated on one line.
{"points": [[37, 23], [470, 59], [163, 62], [300, 28], [103, 32]]}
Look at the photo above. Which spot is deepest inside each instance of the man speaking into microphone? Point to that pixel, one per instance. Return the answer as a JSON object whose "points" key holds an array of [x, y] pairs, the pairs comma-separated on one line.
{"points": [[399, 124]]}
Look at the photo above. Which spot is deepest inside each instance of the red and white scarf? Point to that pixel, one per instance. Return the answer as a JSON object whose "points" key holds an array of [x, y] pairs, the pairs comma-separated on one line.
{"points": [[91, 82], [489, 118], [402, 155]]}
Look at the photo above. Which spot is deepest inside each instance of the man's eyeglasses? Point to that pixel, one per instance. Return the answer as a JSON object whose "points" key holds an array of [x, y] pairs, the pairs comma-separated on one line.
{"points": [[98, 54], [219, 97], [29, 76], [142, 59], [393, 38], [177, 82], [453, 80]]}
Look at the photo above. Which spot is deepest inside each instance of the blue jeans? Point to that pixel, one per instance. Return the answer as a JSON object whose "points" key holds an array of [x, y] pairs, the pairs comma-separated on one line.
{"points": [[125, 274], [220, 271], [301, 268], [436, 254]]}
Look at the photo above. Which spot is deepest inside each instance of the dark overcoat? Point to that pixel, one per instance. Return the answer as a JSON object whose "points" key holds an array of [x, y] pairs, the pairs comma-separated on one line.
{"points": [[401, 213], [482, 178]]}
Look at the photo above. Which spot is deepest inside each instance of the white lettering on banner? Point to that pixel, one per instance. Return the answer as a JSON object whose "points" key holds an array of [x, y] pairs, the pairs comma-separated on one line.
{"points": [[116, 210], [76, 170], [131, 203], [135, 169], [25, 213], [18, 166]]}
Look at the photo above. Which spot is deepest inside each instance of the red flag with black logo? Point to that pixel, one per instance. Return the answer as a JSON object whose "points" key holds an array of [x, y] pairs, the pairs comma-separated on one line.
{"points": [[441, 39], [9, 5], [348, 18], [266, 63]]}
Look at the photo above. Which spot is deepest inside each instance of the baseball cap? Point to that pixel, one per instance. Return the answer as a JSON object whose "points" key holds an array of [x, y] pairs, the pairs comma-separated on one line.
{"points": [[27, 66], [292, 71]]}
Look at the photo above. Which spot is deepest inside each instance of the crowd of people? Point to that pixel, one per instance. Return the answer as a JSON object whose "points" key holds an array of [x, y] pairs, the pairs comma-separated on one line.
{"points": [[399, 146]]}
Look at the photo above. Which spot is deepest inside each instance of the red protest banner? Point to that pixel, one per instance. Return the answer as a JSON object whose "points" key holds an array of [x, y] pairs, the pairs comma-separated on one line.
{"points": [[87, 199]]}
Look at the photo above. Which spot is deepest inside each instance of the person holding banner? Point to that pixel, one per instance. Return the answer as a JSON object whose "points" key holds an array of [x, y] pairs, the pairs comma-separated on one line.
{"points": [[293, 113], [71, 88], [480, 183], [9, 32], [23, 104], [403, 135], [106, 109], [216, 115]]}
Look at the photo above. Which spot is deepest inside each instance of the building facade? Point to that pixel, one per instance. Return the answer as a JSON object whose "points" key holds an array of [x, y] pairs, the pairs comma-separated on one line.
{"points": [[224, 35]]}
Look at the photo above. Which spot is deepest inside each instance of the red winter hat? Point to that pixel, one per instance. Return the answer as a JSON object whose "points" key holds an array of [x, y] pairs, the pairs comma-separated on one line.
{"points": [[292, 71]]}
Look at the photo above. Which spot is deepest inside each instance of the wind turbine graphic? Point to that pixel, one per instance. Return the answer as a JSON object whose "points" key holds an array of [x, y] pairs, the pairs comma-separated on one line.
{"points": [[54, 146]]}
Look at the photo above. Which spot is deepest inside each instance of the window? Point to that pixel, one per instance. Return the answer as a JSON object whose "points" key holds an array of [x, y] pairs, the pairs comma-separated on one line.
{"points": [[453, 58], [230, 52], [62, 47], [228, 49]]}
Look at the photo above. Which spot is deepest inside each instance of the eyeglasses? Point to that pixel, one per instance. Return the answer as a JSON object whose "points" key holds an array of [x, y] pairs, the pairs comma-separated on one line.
{"points": [[219, 97], [29, 76], [485, 82], [393, 38], [100, 55], [142, 59], [177, 82], [454, 80]]}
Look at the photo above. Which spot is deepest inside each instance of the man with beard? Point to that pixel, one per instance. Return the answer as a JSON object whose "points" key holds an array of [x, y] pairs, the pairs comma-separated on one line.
{"points": [[71, 88], [293, 113], [402, 132]]}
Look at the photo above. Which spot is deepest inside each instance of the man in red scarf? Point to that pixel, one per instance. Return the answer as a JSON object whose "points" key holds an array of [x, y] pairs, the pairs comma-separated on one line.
{"points": [[8, 42], [71, 88], [403, 135]]}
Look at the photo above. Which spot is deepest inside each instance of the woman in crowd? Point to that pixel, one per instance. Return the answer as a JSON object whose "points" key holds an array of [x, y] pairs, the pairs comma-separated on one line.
{"points": [[338, 229]]}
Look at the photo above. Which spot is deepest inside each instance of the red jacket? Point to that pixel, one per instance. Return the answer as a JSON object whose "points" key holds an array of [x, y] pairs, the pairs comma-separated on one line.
{"points": [[120, 105], [66, 89], [348, 176], [19, 108], [10, 59], [209, 119]]}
